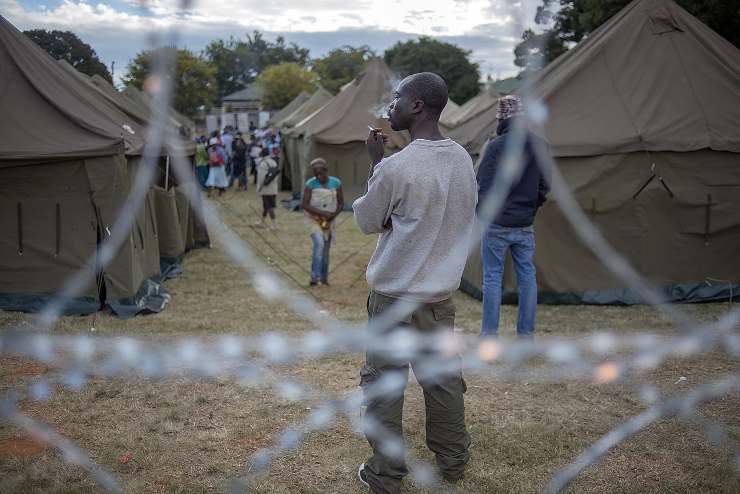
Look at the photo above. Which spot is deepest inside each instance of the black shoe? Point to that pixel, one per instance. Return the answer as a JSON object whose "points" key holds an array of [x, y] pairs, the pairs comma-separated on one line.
{"points": [[313, 283], [362, 476]]}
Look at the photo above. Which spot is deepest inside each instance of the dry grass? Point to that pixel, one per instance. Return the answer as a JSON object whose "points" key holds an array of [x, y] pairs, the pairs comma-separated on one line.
{"points": [[194, 436]]}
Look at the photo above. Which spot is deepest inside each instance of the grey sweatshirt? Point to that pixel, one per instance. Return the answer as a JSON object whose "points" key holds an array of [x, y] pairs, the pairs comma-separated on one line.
{"points": [[429, 192]]}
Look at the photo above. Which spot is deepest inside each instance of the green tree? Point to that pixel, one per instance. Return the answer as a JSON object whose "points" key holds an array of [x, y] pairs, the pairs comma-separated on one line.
{"points": [[341, 65], [430, 55], [192, 79], [576, 18], [65, 45], [537, 50], [230, 71], [282, 83], [238, 62]]}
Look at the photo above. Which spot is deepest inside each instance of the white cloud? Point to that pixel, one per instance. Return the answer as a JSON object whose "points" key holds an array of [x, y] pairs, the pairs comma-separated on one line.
{"points": [[118, 29]]}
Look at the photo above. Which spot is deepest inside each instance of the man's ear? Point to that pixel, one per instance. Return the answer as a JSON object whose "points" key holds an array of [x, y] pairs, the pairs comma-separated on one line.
{"points": [[417, 106]]}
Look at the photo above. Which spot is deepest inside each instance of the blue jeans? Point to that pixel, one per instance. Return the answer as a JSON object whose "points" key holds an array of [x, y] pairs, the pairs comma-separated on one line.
{"points": [[496, 241], [320, 258]]}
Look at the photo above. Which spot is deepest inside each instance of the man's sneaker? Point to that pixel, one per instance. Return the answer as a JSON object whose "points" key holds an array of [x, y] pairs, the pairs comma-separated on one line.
{"points": [[362, 476]]}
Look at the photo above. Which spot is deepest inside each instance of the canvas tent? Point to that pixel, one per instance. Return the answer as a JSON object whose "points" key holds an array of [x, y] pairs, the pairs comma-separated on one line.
{"points": [[162, 206], [645, 128], [146, 218], [337, 131], [294, 104], [289, 147], [447, 118], [318, 99], [475, 121], [161, 202], [177, 120], [63, 180]]}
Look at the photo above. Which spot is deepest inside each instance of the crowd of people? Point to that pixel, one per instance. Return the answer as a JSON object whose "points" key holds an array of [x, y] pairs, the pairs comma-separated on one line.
{"points": [[223, 158]]}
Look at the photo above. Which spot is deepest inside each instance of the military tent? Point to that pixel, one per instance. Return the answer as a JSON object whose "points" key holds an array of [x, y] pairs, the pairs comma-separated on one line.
{"points": [[318, 99], [63, 180], [294, 104], [289, 147], [447, 118], [179, 121], [138, 103], [168, 225], [474, 123], [644, 123]]}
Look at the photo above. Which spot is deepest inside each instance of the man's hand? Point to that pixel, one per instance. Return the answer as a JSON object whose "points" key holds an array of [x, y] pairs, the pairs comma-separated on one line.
{"points": [[375, 142]]}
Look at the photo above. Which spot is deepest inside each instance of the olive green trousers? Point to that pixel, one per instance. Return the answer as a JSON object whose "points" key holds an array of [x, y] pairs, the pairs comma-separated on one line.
{"points": [[438, 371]]}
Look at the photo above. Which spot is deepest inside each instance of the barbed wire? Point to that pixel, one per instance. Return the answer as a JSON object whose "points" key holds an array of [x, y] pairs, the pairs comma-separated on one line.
{"points": [[601, 357]]}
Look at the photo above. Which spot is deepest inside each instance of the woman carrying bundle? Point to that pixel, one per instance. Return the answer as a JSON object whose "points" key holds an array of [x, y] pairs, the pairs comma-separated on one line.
{"points": [[323, 200]]}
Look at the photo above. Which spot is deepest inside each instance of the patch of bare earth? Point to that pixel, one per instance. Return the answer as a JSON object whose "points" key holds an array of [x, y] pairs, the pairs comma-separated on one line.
{"points": [[191, 435]]}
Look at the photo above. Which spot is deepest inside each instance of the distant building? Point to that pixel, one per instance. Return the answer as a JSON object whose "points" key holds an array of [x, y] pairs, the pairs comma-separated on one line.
{"points": [[245, 100], [242, 110]]}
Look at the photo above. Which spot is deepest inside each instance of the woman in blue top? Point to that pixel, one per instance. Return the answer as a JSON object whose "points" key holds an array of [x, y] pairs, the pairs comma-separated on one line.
{"points": [[323, 200]]}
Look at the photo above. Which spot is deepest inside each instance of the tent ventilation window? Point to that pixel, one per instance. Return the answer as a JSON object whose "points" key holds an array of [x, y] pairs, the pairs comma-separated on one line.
{"points": [[59, 231], [20, 229], [652, 177]]}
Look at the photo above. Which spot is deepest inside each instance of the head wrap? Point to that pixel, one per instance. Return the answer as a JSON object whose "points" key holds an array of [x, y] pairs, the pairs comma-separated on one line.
{"points": [[509, 106]]}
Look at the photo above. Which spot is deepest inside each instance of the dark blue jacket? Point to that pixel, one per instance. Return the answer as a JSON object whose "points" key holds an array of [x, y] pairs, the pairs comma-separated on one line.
{"points": [[527, 193]]}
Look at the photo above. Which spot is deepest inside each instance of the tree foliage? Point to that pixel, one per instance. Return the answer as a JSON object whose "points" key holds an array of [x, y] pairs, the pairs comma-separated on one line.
{"points": [[576, 18], [430, 55], [238, 62], [65, 45], [341, 65], [282, 83], [193, 82], [537, 49]]}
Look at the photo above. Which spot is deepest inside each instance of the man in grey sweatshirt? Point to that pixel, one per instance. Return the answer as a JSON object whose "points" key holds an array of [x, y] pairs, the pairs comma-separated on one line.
{"points": [[422, 202]]}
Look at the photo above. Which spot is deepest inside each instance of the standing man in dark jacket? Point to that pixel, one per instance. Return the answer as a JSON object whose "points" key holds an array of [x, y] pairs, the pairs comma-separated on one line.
{"points": [[513, 227]]}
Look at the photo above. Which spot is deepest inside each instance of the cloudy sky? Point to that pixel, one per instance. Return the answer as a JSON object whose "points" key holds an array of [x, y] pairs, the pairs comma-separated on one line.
{"points": [[118, 29]]}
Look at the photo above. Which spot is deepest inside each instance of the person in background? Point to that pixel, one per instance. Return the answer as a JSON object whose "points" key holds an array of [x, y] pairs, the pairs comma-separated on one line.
{"points": [[216, 167], [323, 200], [275, 150], [201, 161], [267, 187], [227, 139], [239, 160], [255, 151], [513, 227]]}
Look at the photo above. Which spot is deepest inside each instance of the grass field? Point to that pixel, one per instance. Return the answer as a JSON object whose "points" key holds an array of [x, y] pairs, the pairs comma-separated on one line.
{"points": [[189, 436]]}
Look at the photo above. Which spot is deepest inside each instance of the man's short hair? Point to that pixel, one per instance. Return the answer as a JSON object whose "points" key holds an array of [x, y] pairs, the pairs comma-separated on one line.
{"points": [[319, 162], [429, 88]]}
